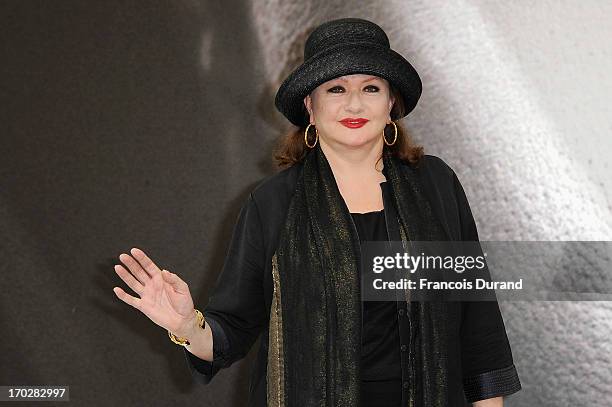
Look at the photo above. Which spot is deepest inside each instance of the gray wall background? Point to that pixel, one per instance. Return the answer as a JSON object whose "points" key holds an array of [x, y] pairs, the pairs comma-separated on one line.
{"points": [[147, 123]]}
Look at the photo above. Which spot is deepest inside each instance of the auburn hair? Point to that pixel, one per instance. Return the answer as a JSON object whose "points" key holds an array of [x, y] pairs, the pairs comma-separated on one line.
{"points": [[291, 148]]}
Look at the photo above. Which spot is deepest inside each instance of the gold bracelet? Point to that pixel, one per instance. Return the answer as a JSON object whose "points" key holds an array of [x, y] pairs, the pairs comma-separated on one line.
{"points": [[184, 341]]}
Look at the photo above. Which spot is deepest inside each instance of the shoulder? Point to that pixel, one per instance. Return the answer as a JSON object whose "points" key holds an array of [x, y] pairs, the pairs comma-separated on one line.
{"points": [[433, 170], [271, 197], [279, 183], [434, 165], [439, 176], [272, 194]]}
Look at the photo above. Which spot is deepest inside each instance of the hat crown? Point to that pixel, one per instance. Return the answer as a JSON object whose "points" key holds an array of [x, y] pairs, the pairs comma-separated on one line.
{"points": [[344, 30]]}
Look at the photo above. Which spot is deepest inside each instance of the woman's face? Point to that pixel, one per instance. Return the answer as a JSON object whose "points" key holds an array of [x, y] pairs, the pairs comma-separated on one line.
{"points": [[359, 96]]}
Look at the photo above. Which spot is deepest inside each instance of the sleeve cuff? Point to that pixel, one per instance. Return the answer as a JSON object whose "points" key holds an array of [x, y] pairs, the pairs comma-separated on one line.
{"points": [[204, 368], [495, 383]]}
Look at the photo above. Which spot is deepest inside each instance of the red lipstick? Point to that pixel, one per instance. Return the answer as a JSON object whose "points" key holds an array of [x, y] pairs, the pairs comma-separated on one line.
{"points": [[353, 123]]}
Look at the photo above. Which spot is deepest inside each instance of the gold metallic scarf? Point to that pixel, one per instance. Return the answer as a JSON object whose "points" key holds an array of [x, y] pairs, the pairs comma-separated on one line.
{"points": [[315, 319]]}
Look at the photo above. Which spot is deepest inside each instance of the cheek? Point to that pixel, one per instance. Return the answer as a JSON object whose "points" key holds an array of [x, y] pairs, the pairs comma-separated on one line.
{"points": [[329, 110], [382, 109]]}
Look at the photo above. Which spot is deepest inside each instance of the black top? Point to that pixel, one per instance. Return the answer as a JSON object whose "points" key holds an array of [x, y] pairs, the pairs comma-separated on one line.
{"points": [[380, 357], [477, 359], [381, 370]]}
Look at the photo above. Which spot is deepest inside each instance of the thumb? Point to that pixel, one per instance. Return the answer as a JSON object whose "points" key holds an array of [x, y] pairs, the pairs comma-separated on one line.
{"points": [[169, 277], [174, 280]]}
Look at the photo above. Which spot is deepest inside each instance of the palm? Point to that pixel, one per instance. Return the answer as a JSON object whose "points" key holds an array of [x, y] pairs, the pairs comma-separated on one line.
{"points": [[165, 299], [163, 304]]}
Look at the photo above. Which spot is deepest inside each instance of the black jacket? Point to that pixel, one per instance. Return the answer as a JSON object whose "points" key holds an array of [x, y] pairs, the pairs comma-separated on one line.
{"points": [[239, 308]]}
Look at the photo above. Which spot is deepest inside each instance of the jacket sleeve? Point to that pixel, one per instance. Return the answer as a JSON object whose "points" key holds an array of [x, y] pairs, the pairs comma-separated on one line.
{"points": [[203, 370], [236, 311], [486, 358]]}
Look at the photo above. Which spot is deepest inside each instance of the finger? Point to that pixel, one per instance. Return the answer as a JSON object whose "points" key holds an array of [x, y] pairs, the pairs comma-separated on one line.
{"points": [[128, 299], [145, 261], [129, 279], [177, 284], [135, 268]]}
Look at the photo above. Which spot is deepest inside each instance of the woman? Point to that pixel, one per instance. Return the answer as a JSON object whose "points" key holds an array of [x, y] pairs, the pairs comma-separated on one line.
{"points": [[292, 270]]}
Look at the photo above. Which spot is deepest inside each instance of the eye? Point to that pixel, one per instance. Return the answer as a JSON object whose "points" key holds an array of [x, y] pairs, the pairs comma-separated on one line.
{"points": [[335, 87], [340, 88]]}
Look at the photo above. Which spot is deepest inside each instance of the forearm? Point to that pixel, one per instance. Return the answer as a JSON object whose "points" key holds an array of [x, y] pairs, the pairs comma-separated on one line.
{"points": [[494, 402]]}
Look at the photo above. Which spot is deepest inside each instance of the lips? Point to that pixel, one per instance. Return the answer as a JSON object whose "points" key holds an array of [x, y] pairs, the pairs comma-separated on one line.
{"points": [[353, 123]]}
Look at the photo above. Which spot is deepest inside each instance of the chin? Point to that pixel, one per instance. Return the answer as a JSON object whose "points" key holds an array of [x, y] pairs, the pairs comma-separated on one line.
{"points": [[357, 141]]}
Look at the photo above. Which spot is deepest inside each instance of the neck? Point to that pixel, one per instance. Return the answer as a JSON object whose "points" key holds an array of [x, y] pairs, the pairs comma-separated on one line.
{"points": [[355, 164]]}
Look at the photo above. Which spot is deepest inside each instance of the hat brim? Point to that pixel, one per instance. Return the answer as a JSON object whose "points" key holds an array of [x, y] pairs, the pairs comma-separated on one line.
{"points": [[345, 60]]}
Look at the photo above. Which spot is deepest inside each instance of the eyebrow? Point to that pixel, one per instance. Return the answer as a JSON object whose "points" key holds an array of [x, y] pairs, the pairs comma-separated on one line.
{"points": [[367, 80]]}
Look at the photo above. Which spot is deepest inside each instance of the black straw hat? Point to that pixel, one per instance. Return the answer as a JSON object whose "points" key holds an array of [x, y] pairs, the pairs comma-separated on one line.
{"points": [[342, 47]]}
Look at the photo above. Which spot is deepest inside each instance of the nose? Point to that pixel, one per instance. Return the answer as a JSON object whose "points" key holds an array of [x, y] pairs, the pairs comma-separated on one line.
{"points": [[354, 103]]}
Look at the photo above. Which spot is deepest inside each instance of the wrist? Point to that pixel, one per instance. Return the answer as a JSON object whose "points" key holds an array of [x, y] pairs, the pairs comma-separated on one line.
{"points": [[190, 329], [190, 325], [194, 327]]}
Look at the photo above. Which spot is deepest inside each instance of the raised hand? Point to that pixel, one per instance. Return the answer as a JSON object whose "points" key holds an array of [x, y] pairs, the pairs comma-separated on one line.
{"points": [[164, 297]]}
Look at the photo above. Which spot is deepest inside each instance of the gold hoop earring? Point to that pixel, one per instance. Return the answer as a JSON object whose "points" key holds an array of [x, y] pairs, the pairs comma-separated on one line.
{"points": [[394, 138], [306, 136]]}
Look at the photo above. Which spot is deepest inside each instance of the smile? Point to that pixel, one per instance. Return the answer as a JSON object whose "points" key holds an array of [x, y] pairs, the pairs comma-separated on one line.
{"points": [[353, 123]]}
